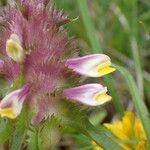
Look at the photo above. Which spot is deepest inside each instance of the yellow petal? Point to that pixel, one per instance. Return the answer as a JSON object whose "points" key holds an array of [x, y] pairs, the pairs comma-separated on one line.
{"points": [[125, 146], [8, 112], [103, 97], [106, 70], [96, 147], [128, 123], [116, 131], [141, 146], [139, 130]]}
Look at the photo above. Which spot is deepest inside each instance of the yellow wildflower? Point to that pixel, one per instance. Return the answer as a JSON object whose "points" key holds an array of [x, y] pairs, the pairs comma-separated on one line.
{"points": [[129, 128]]}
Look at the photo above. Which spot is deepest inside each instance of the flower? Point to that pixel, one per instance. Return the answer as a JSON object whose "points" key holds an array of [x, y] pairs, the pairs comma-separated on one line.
{"points": [[95, 65], [89, 94], [35, 48], [14, 49], [11, 105], [129, 128]]}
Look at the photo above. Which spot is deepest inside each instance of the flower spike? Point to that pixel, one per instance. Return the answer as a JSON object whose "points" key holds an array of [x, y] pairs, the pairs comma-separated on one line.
{"points": [[11, 105], [95, 65], [14, 49], [89, 94]]}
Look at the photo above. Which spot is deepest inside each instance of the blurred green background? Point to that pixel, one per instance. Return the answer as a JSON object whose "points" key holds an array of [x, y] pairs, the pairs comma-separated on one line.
{"points": [[121, 29]]}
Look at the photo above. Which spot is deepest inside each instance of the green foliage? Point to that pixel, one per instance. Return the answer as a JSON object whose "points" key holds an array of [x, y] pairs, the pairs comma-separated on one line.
{"points": [[45, 136], [34, 141], [76, 117], [19, 134], [50, 133], [6, 129]]}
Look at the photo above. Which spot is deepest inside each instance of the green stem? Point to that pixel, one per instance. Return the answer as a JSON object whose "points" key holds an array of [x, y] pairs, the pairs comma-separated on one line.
{"points": [[95, 44]]}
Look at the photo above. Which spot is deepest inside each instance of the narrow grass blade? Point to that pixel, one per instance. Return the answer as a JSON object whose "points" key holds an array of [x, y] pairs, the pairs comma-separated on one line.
{"points": [[90, 30], [101, 138], [132, 31]]}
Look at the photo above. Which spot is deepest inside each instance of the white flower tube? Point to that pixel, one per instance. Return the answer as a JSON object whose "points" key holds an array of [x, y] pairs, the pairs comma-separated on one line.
{"points": [[11, 105], [89, 94], [95, 65]]}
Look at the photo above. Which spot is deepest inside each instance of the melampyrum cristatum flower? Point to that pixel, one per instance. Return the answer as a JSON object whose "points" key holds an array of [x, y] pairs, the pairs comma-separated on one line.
{"points": [[95, 65], [36, 48], [89, 94], [129, 132], [11, 104]]}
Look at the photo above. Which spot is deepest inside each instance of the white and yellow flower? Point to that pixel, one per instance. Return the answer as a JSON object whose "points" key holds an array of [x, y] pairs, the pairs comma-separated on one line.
{"points": [[11, 105], [89, 94], [95, 65]]}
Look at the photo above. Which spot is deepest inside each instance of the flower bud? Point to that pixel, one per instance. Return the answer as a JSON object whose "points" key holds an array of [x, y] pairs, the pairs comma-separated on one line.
{"points": [[95, 65], [11, 105], [89, 94], [14, 49]]}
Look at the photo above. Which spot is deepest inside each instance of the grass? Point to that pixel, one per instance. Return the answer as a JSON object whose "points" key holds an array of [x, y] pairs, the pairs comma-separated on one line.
{"points": [[122, 30]]}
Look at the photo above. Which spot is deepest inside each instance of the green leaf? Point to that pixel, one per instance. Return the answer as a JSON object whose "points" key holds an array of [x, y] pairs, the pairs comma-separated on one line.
{"points": [[50, 133], [75, 117], [97, 117], [101, 137], [45, 136], [6, 129], [34, 140], [20, 131]]}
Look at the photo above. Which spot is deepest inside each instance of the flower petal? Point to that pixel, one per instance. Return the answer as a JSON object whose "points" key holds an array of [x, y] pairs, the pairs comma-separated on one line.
{"points": [[95, 65], [11, 105], [89, 94]]}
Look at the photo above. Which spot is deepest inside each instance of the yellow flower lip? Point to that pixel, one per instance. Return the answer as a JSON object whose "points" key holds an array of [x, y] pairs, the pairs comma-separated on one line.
{"points": [[103, 96], [104, 68], [95, 65], [8, 112]]}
